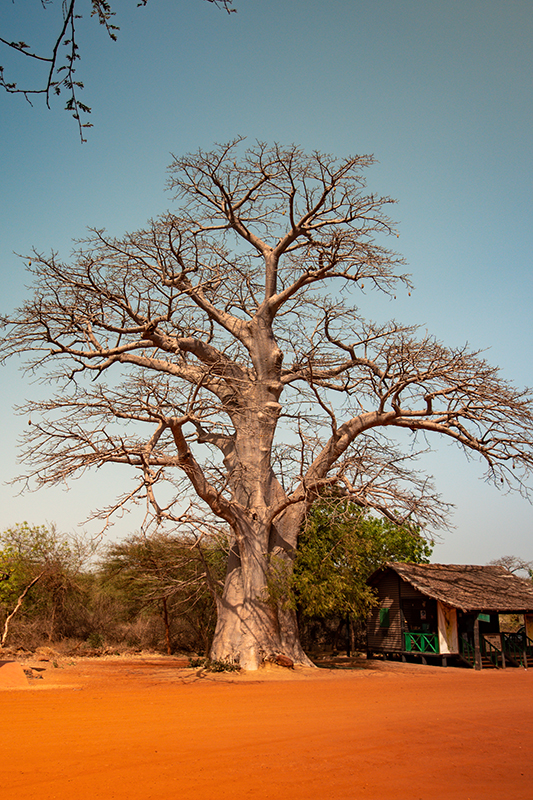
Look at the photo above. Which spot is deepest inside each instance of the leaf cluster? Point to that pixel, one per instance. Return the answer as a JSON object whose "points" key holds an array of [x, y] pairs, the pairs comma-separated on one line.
{"points": [[26, 551], [339, 547]]}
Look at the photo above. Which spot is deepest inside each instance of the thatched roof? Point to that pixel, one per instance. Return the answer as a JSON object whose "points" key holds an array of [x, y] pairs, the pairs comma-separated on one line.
{"points": [[469, 587]]}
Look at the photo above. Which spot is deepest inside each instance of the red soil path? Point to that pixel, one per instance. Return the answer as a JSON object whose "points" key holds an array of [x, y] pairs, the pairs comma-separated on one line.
{"points": [[126, 730]]}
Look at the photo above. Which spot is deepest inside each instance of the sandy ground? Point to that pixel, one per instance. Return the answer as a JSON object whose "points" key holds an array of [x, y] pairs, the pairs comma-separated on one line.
{"points": [[148, 728]]}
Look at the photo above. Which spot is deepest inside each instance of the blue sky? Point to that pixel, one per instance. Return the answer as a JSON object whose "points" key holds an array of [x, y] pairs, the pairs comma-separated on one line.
{"points": [[440, 93]]}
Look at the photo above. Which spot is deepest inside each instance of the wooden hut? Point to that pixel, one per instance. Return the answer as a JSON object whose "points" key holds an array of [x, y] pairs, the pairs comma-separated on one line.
{"points": [[450, 612]]}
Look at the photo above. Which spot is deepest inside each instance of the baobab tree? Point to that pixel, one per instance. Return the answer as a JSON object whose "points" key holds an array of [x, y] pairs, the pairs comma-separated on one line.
{"points": [[221, 353]]}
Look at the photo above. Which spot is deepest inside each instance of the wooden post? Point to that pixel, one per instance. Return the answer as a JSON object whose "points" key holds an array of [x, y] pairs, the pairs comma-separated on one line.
{"points": [[477, 651]]}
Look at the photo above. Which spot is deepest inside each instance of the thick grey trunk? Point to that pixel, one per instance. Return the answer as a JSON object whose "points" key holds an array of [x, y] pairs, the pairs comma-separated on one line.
{"points": [[249, 633], [251, 627]]}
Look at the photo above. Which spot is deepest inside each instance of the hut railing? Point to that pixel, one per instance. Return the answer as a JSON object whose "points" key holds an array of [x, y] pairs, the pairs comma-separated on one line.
{"points": [[467, 651], [421, 642], [490, 651], [518, 647]]}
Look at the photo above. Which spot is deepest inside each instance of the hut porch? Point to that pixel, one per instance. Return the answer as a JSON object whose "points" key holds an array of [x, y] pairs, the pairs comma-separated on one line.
{"points": [[450, 614]]}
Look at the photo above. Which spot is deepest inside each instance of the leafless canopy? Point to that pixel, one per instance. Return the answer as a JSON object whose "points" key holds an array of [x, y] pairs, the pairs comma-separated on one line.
{"points": [[59, 64], [515, 564], [221, 350]]}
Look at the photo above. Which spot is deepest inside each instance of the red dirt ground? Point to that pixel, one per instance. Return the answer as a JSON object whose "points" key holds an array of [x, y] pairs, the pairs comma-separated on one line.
{"points": [[126, 729]]}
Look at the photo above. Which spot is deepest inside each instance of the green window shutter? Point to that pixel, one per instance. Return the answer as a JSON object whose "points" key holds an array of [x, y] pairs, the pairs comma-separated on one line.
{"points": [[384, 618]]}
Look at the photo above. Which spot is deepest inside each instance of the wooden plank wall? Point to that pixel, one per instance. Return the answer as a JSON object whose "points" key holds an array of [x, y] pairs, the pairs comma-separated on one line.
{"points": [[409, 592], [386, 639]]}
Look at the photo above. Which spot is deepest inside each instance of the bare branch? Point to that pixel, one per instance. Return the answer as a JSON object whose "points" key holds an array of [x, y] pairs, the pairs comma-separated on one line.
{"points": [[61, 63]]}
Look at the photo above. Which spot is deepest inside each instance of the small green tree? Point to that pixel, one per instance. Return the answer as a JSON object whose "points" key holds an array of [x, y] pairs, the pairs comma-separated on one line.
{"points": [[38, 570], [339, 548]]}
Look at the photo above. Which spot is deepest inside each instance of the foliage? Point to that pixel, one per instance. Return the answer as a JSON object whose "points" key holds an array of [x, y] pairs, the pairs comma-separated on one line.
{"points": [[221, 666], [39, 571], [198, 662], [26, 551], [176, 575], [511, 623], [339, 547], [144, 592]]}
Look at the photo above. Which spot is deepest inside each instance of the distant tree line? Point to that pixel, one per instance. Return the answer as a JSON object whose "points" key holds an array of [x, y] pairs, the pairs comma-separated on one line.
{"points": [[159, 592], [143, 593]]}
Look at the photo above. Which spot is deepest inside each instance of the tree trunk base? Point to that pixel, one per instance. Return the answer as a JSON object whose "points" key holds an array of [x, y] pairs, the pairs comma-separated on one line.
{"points": [[253, 636]]}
